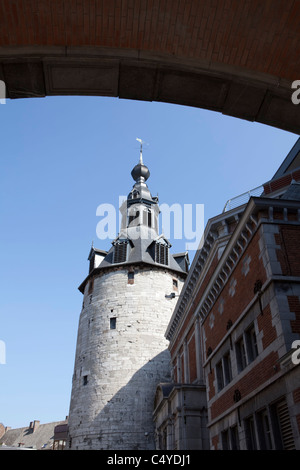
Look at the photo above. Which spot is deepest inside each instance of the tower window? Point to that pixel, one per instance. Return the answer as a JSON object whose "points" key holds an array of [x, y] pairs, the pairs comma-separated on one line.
{"points": [[134, 216], [85, 380], [175, 284], [113, 323], [120, 252], [147, 217], [91, 286], [130, 277]]}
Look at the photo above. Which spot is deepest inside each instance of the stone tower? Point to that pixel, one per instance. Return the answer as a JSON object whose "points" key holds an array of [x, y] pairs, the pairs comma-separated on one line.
{"points": [[121, 351]]}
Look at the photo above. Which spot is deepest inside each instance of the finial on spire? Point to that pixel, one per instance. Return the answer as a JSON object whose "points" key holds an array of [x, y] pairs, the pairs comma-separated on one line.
{"points": [[140, 172], [141, 150]]}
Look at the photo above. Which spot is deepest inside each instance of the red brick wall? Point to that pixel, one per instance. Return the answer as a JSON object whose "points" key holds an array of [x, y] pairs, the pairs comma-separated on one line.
{"points": [[192, 359], [234, 305], [246, 34], [196, 301], [296, 395], [289, 254], [264, 323], [298, 421], [257, 376], [281, 182], [294, 305]]}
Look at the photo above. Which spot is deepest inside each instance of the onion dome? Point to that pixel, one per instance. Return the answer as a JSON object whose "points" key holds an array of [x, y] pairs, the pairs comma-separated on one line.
{"points": [[140, 172]]}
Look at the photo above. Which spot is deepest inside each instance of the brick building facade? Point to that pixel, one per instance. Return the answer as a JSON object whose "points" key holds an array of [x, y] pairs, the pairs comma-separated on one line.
{"points": [[233, 329]]}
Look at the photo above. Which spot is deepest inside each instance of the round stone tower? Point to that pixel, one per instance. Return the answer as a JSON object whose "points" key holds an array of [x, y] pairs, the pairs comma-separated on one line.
{"points": [[121, 352]]}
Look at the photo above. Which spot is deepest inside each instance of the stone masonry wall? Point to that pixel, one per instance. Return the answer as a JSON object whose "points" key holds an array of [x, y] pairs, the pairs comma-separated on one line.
{"points": [[121, 356]]}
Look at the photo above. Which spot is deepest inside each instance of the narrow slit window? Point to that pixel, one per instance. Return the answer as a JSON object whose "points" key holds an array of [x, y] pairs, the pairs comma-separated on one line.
{"points": [[113, 323], [130, 277], [91, 286], [85, 380]]}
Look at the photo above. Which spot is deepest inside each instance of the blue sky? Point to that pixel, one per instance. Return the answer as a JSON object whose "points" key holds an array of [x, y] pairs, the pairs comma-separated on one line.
{"points": [[61, 157]]}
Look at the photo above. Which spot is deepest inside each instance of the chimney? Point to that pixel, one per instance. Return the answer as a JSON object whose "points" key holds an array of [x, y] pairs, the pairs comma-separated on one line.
{"points": [[34, 425]]}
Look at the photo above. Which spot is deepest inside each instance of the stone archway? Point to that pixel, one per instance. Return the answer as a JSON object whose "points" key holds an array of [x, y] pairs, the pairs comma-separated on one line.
{"points": [[237, 58]]}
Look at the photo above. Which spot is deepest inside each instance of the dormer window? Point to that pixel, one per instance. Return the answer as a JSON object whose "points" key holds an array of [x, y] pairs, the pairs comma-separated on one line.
{"points": [[161, 253], [120, 251]]}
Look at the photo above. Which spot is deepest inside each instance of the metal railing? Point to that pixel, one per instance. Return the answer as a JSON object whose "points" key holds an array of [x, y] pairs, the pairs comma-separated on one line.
{"points": [[242, 198]]}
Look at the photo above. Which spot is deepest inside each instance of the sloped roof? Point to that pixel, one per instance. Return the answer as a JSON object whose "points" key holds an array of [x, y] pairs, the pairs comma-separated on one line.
{"points": [[293, 192], [140, 252], [291, 161], [40, 438]]}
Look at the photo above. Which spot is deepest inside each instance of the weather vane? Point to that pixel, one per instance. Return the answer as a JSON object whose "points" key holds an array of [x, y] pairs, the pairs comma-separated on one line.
{"points": [[141, 142], [141, 149]]}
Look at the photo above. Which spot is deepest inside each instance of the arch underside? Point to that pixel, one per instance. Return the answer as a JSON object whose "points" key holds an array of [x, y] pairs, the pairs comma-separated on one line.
{"points": [[39, 71], [235, 57]]}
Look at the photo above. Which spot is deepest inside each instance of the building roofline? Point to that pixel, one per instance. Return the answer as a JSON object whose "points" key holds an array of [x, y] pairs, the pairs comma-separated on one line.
{"points": [[288, 160]]}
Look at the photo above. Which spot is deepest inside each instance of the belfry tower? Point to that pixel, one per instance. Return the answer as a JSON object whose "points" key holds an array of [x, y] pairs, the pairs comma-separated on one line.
{"points": [[121, 351]]}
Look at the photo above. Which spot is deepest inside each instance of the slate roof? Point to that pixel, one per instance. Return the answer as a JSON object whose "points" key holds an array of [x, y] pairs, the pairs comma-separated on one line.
{"points": [[140, 251], [41, 439], [291, 161], [293, 192]]}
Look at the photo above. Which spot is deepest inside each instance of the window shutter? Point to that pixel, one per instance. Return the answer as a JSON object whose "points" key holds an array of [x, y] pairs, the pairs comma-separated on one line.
{"points": [[285, 426], [120, 252], [161, 253]]}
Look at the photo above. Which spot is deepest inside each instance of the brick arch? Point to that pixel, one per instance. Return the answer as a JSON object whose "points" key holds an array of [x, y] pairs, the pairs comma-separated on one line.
{"points": [[237, 58]]}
